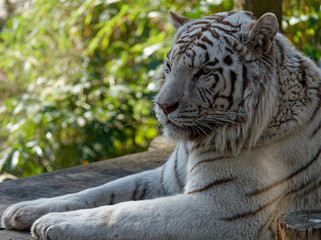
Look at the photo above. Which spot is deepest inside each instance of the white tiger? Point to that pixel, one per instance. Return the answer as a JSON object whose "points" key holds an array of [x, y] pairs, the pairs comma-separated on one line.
{"points": [[245, 107]]}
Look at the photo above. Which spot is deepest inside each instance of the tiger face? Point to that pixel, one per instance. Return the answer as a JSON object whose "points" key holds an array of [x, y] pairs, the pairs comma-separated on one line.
{"points": [[205, 77]]}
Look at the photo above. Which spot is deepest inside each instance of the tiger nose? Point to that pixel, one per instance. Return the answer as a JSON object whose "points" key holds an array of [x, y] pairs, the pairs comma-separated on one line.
{"points": [[168, 107]]}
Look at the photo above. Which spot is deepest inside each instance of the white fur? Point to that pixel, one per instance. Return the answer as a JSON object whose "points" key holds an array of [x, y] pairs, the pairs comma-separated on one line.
{"points": [[259, 160]]}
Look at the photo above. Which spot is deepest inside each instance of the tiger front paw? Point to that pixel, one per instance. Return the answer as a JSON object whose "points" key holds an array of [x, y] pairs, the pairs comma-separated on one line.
{"points": [[21, 215], [75, 225]]}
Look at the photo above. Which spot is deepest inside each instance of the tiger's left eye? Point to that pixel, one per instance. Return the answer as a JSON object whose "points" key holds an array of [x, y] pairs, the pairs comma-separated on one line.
{"points": [[201, 72]]}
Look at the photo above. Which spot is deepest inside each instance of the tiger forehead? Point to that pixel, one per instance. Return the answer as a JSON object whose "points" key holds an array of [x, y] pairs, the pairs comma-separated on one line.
{"points": [[198, 52], [210, 39], [195, 59], [200, 36], [208, 29]]}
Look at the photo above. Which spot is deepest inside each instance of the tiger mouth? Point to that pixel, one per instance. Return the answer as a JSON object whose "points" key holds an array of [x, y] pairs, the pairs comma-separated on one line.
{"points": [[170, 123], [192, 131]]}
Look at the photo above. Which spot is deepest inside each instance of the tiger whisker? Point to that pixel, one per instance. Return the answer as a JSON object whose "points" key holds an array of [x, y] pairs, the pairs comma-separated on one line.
{"points": [[220, 121], [205, 124], [202, 130]]}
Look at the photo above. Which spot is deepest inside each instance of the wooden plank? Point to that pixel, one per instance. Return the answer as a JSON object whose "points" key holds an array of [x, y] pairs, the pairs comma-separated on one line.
{"points": [[73, 180], [299, 225]]}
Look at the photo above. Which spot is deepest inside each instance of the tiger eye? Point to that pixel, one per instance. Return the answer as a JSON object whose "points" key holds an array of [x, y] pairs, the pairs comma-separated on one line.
{"points": [[200, 73], [228, 60]]}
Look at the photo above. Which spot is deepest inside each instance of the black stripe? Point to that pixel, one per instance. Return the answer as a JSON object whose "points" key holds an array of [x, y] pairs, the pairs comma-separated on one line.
{"points": [[199, 73], [245, 80], [112, 197], [195, 147], [233, 80], [213, 184], [205, 39], [251, 212], [208, 91], [230, 13], [207, 58], [202, 45], [316, 130], [227, 31], [162, 188], [213, 63], [193, 51], [143, 193], [183, 36], [214, 33], [301, 187], [230, 24], [216, 80], [303, 78], [178, 181], [280, 197], [229, 50], [207, 161], [299, 170], [168, 54], [227, 40], [192, 29], [201, 22], [135, 191], [208, 100], [182, 41], [201, 94]]}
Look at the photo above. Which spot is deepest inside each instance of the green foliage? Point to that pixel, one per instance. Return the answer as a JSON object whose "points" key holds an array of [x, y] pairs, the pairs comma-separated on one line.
{"points": [[302, 25], [79, 79]]}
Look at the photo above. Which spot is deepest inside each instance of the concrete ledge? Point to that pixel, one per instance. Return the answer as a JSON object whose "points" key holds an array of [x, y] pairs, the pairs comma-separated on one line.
{"points": [[73, 180]]}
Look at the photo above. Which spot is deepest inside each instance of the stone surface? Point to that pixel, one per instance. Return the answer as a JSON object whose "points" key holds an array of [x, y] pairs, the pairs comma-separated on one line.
{"points": [[160, 142], [73, 180]]}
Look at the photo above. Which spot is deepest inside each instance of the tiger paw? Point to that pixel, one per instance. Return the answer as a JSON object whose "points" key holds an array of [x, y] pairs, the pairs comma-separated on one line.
{"points": [[22, 215], [80, 224]]}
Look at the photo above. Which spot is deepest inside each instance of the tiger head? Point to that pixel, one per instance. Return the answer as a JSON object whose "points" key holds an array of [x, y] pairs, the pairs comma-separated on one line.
{"points": [[218, 81]]}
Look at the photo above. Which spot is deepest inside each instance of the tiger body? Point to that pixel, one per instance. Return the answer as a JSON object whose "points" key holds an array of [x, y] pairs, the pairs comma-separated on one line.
{"points": [[245, 108]]}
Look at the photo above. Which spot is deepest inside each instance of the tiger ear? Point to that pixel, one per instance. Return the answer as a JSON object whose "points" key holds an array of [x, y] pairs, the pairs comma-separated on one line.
{"points": [[263, 31], [177, 20]]}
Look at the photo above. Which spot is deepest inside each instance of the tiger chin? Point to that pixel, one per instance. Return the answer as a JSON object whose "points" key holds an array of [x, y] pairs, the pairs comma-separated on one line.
{"points": [[245, 107]]}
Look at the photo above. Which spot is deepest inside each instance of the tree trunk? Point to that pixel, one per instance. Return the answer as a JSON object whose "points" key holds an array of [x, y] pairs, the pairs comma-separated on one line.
{"points": [[299, 225], [259, 7]]}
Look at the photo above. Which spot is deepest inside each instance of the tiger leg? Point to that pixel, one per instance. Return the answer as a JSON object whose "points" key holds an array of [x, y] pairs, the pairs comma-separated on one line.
{"points": [[145, 185], [174, 217]]}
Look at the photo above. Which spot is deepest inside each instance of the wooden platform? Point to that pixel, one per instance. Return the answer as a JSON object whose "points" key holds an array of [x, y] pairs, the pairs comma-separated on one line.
{"points": [[73, 180]]}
